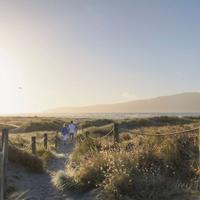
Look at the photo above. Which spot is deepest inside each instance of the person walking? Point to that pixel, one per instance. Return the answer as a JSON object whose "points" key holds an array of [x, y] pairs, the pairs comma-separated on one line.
{"points": [[72, 130], [64, 133]]}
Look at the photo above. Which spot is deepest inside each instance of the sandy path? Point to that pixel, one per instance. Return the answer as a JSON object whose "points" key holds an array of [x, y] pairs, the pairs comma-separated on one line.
{"points": [[39, 186]]}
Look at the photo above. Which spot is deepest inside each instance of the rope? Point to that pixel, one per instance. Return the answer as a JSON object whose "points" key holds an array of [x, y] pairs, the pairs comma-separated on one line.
{"points": [[11, 125], [26, 147], [163, 134], [93, 138], [40, 141], [103, 136], [108, 133]]}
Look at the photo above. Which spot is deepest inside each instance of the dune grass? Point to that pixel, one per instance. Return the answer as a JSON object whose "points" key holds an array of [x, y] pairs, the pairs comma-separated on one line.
{"points": [[155, 121], [20, 151], [140, 167], [28, 161], [95, 122], [99, 131]]}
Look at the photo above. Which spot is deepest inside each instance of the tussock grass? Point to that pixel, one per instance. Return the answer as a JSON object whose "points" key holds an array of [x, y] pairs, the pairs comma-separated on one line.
{"points": [[27, 160], [64, 183], [2, 126], [99, 131], [20, 151], [43, 126], [155, 121], [96, 123], [125, 136], [45, 154], [140, 167]]}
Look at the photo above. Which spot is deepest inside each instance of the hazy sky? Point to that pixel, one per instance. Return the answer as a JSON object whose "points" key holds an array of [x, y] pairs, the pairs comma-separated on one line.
{"points": [[79, 52]]}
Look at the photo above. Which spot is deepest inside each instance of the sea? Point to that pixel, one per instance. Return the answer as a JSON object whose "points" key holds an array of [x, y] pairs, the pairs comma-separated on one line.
{"points": [[122, 115]]}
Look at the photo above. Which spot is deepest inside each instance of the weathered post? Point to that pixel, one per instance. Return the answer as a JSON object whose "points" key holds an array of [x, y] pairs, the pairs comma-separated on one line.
{"points": [[5, 151], [81, 128], [199, 146], [2, 141], [1, 177], [116, 132], [56, 141], [45, 140], [4, 163], [33, 145], [87, 133]]}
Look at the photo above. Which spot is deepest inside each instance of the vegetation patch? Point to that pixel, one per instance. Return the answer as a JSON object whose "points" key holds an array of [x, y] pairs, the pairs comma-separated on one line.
{"points": [[154, 121], [45, 154], [64, 183], [139, 167], [99, 131], [97, 123], [43, 126], [25, 159]]}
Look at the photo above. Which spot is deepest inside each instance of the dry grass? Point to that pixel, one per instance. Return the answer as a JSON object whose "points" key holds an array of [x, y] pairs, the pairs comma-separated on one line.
{"points": [[25, 159], [45, 154], [99, 131], [20, 150], [140, 167], [64, 183], [156, 121], [96, 123]]}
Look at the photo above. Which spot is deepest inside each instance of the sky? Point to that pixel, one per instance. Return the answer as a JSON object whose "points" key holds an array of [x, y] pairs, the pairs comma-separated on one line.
{"points": [[83, 52]]}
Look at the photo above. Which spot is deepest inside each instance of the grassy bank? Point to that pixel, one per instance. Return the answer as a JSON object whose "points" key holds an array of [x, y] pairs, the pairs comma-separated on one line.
{"points": [[140, 167], [20, 151]]}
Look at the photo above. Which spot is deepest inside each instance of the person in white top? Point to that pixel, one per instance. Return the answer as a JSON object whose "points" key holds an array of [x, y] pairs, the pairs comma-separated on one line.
{"points": [[72, 130]]}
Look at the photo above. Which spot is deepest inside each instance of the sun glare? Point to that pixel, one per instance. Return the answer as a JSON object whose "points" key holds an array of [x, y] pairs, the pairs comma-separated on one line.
{"points": [[11, 100]]}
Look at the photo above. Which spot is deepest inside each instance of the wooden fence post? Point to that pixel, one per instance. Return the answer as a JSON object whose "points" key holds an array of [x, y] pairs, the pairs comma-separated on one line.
{"points": [[116, 132], [2, 141], [33, 145], [56, 141], [4, 163], [81, 128], [1, 177], [199, 146], [87, 133], [45, 140]]}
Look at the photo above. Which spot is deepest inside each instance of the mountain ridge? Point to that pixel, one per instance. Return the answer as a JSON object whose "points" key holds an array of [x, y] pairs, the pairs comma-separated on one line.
{"points": [[182, 102]]}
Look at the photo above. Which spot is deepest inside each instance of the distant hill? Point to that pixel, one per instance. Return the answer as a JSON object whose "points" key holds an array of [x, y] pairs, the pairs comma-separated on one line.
{"points": [[185, 102]]}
